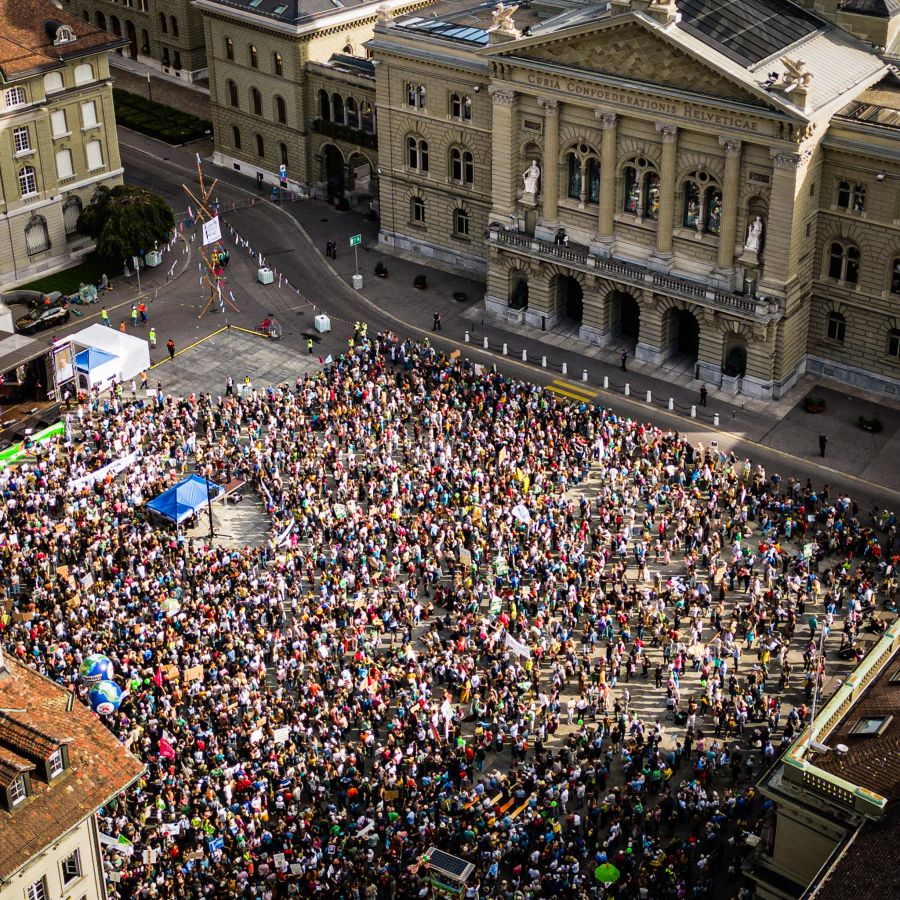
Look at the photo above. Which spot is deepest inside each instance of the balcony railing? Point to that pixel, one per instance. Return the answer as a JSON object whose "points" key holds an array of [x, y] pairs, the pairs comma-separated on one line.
{"points": [[639, 276]]}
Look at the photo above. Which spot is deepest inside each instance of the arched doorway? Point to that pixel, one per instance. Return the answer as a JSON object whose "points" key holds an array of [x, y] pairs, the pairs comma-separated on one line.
{"points": [[101, 20], [115, 26], [569, 298], [734, 363], [518, 289], [625, 316], [333, 165], [361, 170], [681, 333], [131, 34]]}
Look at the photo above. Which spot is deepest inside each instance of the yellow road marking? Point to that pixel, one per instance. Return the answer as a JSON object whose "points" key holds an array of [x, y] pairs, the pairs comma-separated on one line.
{"points": [[571, 391]]}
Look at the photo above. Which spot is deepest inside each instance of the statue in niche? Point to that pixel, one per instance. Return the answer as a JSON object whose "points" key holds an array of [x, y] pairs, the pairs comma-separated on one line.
{"points": [[754, 235], [532, 177]]}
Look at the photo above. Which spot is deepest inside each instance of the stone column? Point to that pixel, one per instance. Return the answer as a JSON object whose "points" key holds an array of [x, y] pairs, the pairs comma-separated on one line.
{"points": [[730, 199], [504, 178], [550, 181], [666, 221], [606, 219]]}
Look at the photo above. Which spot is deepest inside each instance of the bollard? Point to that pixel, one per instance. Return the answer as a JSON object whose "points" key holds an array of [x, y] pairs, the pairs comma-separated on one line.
{"points": [[505, 349], [584, 374], [467, 337], [524, 356], [606, 382], [716, 420], [565, 369], [627, 390], [543, 362], [671, 403], [485, 343], [649, 397], [693, 412]]}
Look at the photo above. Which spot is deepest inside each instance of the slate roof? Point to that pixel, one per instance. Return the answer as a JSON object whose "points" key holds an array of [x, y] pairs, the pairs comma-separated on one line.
{"points": [[99, 766], [882, 9], [25, 42], [293, 12]]}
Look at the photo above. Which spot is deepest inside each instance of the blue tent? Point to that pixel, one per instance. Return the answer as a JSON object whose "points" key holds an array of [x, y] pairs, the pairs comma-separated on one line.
{"points": [[92, 358], [181, 501]]}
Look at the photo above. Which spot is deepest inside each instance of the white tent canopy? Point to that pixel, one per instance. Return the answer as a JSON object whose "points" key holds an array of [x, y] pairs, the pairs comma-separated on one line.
{"points": [[131, 355]]}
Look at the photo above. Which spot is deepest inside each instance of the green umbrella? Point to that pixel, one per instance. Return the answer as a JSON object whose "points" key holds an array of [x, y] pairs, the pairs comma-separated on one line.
{"points": [[606, 873]]}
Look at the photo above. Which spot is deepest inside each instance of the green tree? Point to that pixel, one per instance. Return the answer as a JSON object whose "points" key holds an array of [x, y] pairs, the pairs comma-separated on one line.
{"points": [[125, 220]]}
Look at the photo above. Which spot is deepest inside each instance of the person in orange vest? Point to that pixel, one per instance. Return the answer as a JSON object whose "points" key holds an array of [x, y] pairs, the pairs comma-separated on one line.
{"points": [[170, 346], [142, 309], [122, 325]]}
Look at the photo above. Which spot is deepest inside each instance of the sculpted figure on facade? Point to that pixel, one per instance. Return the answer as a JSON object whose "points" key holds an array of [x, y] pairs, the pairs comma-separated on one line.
{"points": [[531, 177], [754, 234]]}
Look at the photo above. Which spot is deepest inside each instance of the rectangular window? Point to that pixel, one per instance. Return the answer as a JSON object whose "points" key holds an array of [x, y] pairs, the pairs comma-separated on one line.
{"points": [[17, 791], [93, 150], [837, 327], [64, 169], [58, 125], [894, 350], [20, 139], [71, 868], [36, 891], [55, 764], [89, 114]]}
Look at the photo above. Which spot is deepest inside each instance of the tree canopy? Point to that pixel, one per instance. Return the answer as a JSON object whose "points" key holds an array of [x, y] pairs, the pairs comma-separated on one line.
{"points": [[125, 220]]}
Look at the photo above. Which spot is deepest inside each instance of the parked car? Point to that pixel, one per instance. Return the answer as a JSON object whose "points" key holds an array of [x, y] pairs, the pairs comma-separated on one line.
{"points": [[42, 317]]}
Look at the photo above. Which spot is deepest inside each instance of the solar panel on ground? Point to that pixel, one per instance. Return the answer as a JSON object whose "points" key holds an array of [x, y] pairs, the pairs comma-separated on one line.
{"points": [[746, 31], [448, 864]]}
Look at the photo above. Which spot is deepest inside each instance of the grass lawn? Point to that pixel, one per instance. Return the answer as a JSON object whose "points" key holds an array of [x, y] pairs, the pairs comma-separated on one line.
{"points": [[158, 120], [68, 280]]}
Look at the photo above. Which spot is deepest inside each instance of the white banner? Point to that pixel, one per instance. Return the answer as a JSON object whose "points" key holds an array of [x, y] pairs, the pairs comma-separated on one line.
{"points": [[212, 231], [116, 466], [285, 535], [520, 511], [517, 647]]}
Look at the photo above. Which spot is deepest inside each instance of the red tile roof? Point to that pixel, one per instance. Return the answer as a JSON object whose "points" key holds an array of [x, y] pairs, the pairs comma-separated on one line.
{"points": [[26, 46], [99, 767], [26, 739], [11, 766]]}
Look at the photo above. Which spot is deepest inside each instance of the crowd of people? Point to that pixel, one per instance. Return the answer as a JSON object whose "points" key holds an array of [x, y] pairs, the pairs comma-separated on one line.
{"points": [[533, 634]]}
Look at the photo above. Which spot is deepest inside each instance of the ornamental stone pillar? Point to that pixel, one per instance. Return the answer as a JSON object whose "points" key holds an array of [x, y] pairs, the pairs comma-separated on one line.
{"points": [[550, 181], [730, 195], [606, 218], [666, 220]]}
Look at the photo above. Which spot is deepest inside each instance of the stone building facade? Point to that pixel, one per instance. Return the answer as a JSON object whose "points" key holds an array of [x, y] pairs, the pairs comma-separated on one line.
{"points": [[295, 88], [694, 192], [164, 34], [59, 135]]}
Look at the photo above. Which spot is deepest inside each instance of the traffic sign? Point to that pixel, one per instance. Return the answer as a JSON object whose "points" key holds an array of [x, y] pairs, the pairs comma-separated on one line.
{"points": [[355, 240]]}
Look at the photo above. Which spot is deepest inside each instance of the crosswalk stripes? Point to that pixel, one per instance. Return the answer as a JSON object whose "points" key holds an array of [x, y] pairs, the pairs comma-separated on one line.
{"points": [[572, 391]]}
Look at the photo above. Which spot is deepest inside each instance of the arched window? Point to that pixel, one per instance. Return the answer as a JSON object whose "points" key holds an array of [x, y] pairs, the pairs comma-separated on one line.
{"points": [[843, 262], [692, 212], [163, 23], [417, 210], [651, 196], [53, 82], [324, 106], [229, 48], [255, 101], [337, 109], [174, 21], [14, 97], [283, 154], [352, 113], [84, 73], [851, 196], [236, 137], [417, 154], [260, 146], [895, 276], [713, 203], [462, 166], [574, 179], [348, 50], [702, 203], [253, 56], [415, 95], [86, 16], [145, 42], [280, 110], [27, 181], [367, 117], [277, 64], [461, 223], [632, 199], [71, 213], [37, 237], [232, 93], [460, 107], [837, 327]]}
